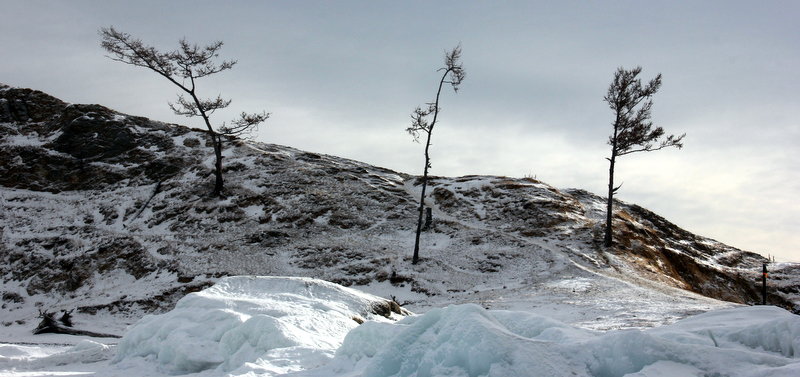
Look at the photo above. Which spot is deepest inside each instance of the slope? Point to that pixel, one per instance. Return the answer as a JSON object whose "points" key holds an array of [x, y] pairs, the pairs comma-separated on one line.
{"points": [[110, 214]]}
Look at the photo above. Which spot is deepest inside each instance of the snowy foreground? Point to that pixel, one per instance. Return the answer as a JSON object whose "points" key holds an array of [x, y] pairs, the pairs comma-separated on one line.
{"points": [[268, 326]]}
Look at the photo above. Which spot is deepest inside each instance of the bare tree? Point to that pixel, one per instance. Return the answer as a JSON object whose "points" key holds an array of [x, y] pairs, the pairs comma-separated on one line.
{"points": [[183, 67], [453, 74], [633, 130]]}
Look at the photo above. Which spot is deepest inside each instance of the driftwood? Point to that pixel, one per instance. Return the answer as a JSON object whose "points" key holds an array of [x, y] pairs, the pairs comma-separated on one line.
{"points": [[66, 318], [49, 325]]}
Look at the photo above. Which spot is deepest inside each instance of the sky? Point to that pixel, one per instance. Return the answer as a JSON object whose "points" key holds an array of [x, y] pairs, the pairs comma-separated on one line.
{"points": [[342, 78]]}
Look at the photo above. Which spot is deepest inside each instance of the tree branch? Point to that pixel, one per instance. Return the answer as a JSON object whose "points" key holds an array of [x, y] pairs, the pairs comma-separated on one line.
{"points": [[246, 123]]}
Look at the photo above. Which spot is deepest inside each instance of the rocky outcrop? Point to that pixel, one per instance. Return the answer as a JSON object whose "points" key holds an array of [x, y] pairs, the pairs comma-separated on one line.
{"points": [[27, 107], [81, 147]]}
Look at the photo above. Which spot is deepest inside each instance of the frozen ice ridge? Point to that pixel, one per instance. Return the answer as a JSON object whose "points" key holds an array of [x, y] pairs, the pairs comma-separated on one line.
{"points": [[271, 324]]}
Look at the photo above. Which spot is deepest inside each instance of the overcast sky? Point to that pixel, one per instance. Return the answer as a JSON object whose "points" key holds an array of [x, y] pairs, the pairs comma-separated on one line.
{"points": [[342, 77]]}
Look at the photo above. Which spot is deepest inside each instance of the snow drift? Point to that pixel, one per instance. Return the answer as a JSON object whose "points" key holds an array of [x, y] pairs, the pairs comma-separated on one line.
{"points": [[270, 324], [467, 340]]}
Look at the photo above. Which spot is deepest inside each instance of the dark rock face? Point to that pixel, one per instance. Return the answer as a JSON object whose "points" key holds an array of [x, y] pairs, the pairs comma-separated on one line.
{"points": [[81, 147], [90, 133], [27, 106], [32, 169]]}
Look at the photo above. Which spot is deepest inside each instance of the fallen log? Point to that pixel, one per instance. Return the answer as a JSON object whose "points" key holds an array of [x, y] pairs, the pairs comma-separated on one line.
{"points": [[49, 325]]}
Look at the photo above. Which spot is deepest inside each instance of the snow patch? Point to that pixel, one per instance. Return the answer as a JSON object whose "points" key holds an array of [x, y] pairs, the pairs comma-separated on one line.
{"points": [[85, 351], [576, 284], [23, 141]]}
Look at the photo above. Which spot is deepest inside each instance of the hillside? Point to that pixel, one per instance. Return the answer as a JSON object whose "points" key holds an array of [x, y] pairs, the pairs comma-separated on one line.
{"points": [[109, 213]]}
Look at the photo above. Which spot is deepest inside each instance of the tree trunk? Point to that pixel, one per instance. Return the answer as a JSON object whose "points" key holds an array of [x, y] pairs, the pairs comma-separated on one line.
{"points": [[217, 139], [608, 241], [415, 258]]}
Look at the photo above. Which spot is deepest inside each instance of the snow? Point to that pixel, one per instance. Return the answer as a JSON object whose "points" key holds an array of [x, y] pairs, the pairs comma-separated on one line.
{"points": [[461, 340], [276, 326], [22, 141], [264, 323], [467, 340], [21, 357]]}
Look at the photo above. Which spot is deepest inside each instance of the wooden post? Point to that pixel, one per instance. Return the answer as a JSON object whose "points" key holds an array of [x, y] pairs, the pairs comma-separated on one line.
{"points": [[764, 284]]}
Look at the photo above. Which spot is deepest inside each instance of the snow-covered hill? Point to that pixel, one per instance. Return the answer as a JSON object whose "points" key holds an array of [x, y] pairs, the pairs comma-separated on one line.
{"points": [[109, 214]]}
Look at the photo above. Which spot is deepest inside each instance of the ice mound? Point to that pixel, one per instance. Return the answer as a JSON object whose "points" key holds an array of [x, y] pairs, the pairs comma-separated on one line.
{"points": [[270, 325], [462, 340], [467, 340]]}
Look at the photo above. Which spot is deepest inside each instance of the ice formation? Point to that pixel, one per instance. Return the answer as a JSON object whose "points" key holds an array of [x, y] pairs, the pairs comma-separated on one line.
{"points": [[301, 327], [274, 324], [467, 340]]}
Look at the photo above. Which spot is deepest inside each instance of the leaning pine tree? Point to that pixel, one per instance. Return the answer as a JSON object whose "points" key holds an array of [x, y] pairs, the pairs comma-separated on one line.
{"points": [[633, 130], [453, 74], [183, 67]]}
